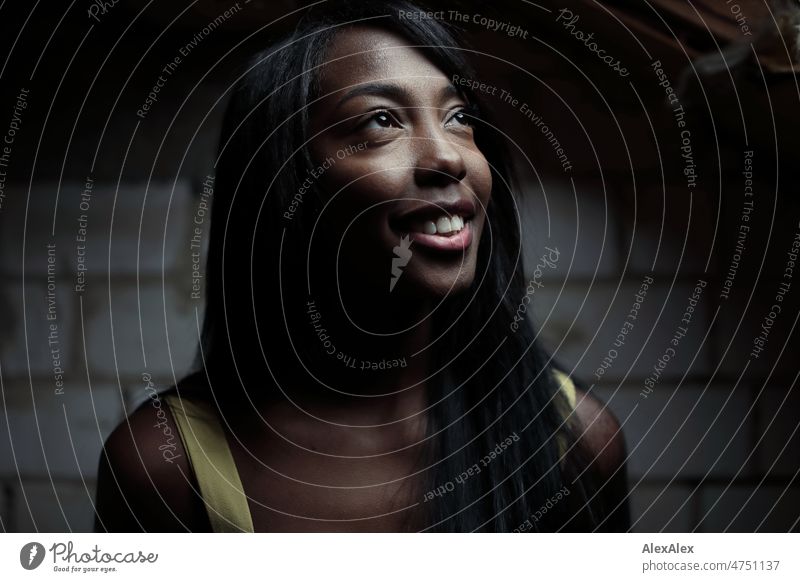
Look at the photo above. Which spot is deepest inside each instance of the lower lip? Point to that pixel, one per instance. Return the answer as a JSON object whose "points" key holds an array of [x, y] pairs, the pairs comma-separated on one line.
{"points": [[456, 242]]}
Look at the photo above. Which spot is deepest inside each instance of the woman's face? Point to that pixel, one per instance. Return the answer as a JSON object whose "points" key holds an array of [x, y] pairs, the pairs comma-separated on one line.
{"points": [[408, 187]]}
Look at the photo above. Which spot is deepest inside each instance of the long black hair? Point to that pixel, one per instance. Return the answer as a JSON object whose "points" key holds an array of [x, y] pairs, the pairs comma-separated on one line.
{"points": [[497, 393]]}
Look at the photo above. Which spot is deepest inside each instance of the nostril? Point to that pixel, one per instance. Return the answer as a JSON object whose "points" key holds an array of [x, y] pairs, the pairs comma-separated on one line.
{"points": [[428, 176], [439, 162]]}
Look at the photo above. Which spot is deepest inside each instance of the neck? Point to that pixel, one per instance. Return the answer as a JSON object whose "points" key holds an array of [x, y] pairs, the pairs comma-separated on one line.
{"points": [[369, 342]]}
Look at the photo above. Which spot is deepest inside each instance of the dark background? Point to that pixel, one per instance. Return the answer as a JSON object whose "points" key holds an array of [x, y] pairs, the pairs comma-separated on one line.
{"points": [[714, 447]]}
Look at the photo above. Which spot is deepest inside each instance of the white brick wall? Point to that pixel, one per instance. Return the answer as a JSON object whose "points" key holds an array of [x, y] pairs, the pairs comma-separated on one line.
{"points": [[662, 508], [736, 312], [52, 469], [685, 432], [663, 243], [5, 506], [54, 507], [779, 450], [56, 436], [169, 344], [159, 207], [660, 464], [26, 331], [575, 223], [586, 320], [748, 508]]}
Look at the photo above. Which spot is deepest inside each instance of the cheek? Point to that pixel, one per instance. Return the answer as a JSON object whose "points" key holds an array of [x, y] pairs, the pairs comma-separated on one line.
{"points": [[480, 181], [361, 183], [480, 176], [357, 196]]}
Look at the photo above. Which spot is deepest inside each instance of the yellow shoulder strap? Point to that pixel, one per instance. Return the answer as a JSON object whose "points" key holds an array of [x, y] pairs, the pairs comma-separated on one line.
{"points": [[567, 387], [212, 462]]}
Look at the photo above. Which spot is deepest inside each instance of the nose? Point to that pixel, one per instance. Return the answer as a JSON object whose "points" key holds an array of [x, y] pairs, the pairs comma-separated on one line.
{"points": [[439, 162]]}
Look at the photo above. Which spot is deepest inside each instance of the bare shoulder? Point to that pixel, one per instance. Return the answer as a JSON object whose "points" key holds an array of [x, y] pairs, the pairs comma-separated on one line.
{"points": [[602, 446], [144, 478], [600, 434]]}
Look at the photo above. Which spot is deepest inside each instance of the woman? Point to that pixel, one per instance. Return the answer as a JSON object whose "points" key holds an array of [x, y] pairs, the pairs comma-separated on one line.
{"points": [[358, 366]]}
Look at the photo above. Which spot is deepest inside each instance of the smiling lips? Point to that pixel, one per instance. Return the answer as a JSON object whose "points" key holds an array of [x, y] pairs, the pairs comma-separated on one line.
{"points": [[445, 234], [442, 227]]}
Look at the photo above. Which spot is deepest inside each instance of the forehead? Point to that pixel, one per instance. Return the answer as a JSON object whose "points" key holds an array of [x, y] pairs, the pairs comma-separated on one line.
{"points": [[361, 54]]}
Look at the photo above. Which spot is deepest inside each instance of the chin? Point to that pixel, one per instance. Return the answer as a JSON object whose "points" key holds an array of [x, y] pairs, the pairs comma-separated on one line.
{"points": [[436, 282], [437, 266]]}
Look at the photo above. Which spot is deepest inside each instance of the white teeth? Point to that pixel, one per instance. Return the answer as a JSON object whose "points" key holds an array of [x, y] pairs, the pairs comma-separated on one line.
{"points": [[443, 225]]}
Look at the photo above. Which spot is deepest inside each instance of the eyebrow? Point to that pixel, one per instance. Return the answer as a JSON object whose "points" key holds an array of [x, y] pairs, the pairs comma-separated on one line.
{"points": [[449, 91], [396, 92]]}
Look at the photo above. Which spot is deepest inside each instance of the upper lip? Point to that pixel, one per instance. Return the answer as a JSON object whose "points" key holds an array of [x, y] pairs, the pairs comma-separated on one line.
{"points": [[419, 210]]}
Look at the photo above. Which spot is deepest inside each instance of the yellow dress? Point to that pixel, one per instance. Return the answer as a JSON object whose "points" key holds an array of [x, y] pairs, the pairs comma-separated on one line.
{"points": [[211, 460]]}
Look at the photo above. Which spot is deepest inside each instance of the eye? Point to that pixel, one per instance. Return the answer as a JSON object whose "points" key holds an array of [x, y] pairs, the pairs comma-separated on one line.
{"points": [[381, 119], [464, 117]]}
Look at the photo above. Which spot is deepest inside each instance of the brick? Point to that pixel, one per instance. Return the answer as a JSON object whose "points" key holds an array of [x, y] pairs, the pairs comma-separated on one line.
{"points": [[155, 249], [23, 350], [576, 329], [169, 345], [591, 135], [770, 509], [33, 229], [662, 509], [773, 224], [779, 424], [579, 227], [91, 418], [60, 506], [661, 447], [659, 238], [740, 323], [5, 508]]}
